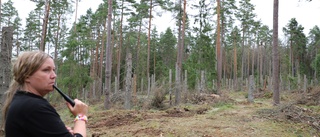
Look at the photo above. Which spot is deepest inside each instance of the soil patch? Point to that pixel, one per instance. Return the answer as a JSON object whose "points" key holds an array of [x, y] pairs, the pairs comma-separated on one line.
{"points": [[119, 120]]}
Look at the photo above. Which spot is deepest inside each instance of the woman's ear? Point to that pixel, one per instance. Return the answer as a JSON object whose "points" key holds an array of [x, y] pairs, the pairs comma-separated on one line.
{"points": [[27, 80]]}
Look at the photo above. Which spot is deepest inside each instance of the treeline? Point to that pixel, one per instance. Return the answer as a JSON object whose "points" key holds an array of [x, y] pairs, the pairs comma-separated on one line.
{"points": [[79, 46]]}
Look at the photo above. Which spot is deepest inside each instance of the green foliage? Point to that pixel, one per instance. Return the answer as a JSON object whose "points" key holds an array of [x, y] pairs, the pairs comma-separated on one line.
{"points": [[8, 14], [167, 49], [298, 43], [316, 64], [245, 14], [74, 77], [77, 48], [293, 81]]}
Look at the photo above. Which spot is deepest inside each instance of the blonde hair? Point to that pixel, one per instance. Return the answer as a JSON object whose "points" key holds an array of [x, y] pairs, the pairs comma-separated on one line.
{"points": [[26, 65]]}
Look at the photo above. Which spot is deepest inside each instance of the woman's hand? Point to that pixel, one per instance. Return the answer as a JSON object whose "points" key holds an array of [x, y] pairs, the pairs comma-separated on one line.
{"points": [[79, 108]]}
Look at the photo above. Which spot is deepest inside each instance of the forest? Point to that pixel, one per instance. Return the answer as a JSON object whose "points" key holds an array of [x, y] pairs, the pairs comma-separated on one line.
{"points": [[116, 56]]}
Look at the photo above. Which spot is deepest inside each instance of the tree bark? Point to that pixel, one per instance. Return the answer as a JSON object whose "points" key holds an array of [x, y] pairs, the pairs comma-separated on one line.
{"points": [[101, 58], [149, 41], [276, 94], [219, 56], [44, 26], [137, 67], [75, 17], [128, 82], [0, 13], [178, 86], [5, 62], [251, 89], [5, 59], [108, 59], [235, 74], [119, 47], [170, 87]]}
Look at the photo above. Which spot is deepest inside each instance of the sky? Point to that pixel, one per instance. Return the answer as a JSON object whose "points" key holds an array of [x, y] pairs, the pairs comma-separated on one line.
{"points": [[306, 13]]}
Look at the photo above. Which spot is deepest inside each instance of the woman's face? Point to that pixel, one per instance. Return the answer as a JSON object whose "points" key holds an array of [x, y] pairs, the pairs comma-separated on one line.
{"points": [[42, 81]]}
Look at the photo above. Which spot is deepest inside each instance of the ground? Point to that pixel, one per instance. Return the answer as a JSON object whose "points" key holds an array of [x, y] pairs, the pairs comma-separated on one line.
{"points": [[227, 116]]}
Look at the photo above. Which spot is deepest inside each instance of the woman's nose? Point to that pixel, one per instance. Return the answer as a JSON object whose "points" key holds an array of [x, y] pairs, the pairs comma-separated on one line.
{"points": [[53, 74]]}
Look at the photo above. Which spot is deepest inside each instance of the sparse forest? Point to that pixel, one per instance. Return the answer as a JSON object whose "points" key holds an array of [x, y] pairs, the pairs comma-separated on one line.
{"points": [[220, 56]]}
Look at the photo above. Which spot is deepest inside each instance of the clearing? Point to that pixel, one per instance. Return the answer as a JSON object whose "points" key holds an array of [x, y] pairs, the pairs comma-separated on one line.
{"points": [[227, 116]]}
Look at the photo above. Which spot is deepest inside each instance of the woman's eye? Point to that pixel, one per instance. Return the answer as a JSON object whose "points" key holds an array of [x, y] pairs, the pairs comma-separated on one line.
{"points": [[46, 70]]}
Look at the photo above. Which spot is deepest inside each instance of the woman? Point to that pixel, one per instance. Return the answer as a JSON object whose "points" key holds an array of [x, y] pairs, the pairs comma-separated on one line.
{"points": [[26, 113]]}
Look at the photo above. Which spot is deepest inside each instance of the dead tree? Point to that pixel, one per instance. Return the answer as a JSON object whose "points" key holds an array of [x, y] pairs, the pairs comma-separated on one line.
{"points": [[128, 82], [5, 60], [251, 89]]}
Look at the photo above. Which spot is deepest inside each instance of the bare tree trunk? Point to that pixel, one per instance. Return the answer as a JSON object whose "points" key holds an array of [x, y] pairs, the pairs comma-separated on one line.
{"points": [[137, 70], [134, 89], [148, 86], [276, 93], [202, 82], [242, 58], [180, 56], [170, 87], [261, 63], [101, 58], [248, 61], [178, 86], [44, 26], [149, 40], [183, 31], [57, 39], [108, 58], [119, 47], [235, 74], [251, 89], [185, 81], [292, 59], [305, 83], [5, 62], [178, 78], [5, 59], [0, 13], [141, 85], [252, 64], [219, 56], [299, 81], [128, 82], [17, 43], [223, 51]]}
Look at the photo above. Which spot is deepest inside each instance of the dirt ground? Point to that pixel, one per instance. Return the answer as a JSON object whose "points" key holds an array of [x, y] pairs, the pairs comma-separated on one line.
{"points": [[228, 116]]}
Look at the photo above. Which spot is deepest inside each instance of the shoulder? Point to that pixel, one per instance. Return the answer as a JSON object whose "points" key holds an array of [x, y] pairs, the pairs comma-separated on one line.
{"points": [[28, 103]]}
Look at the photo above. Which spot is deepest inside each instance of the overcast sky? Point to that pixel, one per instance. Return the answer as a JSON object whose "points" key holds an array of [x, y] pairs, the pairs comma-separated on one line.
{"points": [[306, 13]]}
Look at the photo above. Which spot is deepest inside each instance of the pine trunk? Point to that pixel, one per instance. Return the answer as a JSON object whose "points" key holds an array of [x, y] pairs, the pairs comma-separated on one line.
{"points": [[276, 94], [119, 48], [149, 40], [44, 26], [108, 59], [235, 74], [219, 56]]}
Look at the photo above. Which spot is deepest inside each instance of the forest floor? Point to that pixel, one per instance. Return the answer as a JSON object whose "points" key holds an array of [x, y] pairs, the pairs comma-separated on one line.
{"points": [[229, 115]]}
